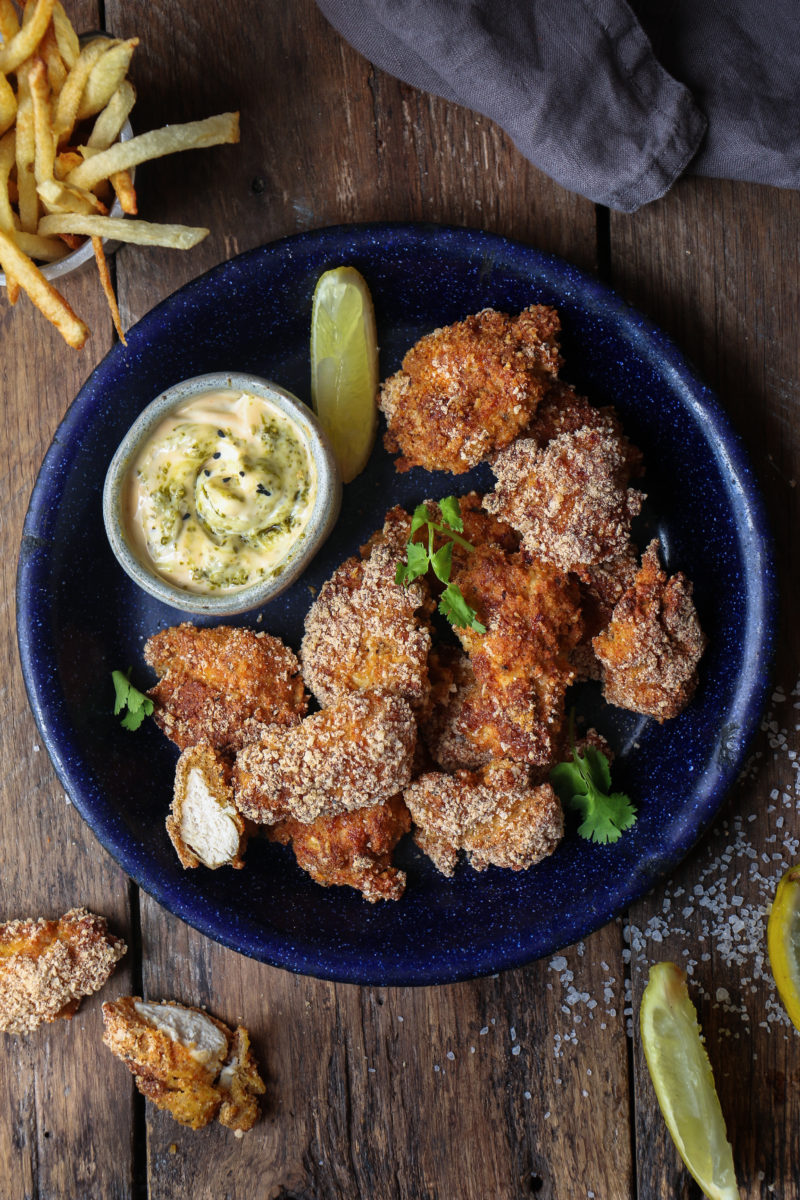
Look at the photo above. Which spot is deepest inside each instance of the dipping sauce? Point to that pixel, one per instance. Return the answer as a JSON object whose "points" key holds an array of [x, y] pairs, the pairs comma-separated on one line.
{"points": [[220, 493]]}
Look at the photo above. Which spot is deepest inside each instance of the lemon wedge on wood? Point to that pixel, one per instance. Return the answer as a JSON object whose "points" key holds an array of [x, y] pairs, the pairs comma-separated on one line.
{"points": [[684, 1082], [783, 942], [344, 366]]}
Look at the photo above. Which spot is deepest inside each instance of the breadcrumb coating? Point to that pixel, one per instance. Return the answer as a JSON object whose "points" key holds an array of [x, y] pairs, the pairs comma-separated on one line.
{"points": [[455, 719], [186, 1061], [470, 388], [366, 631], [563, 410], [222, 685], [47, 967], [203, 824], [601, 587], [352, 754], [522, 662], [651, 648], [494, 814], [353, 849], [569, 501]]}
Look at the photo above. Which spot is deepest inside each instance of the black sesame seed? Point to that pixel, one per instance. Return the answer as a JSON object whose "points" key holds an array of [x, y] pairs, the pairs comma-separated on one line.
{"points": [[217, 454], [185, 517], [206, 472], [220, 433], [227, 479], [241, 473], [262, 491]]}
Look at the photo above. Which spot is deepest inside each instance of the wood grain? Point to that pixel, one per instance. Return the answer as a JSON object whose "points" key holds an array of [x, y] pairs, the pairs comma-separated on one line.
{"points": [[716, 264]]}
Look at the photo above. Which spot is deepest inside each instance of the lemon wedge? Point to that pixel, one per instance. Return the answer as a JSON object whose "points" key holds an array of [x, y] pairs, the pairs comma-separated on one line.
{"points": [[783, 942], [344, 366], [684, 1082]]}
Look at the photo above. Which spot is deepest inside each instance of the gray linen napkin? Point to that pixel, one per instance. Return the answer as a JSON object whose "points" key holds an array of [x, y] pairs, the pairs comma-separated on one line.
{"points": [[610, 106]]}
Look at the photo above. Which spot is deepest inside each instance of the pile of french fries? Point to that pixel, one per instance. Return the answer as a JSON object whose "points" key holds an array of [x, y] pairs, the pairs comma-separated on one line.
{"points": [[63, 104]]}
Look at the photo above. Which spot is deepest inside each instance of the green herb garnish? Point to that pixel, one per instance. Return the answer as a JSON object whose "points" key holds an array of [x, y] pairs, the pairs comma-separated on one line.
{"points": [[420, 558], [138, 705], [585, 785]]}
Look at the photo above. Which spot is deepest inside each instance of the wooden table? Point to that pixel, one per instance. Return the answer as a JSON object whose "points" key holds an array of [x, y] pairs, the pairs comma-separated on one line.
{"points": [[527, 1083]]}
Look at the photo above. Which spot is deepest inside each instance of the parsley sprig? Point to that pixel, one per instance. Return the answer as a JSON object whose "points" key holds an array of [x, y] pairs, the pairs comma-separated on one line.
{"points": [[585, 785], [419, 558], [127, 696]]}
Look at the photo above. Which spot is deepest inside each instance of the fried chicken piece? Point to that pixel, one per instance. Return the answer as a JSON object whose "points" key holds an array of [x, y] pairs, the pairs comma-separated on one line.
{"points": [[221, 686], [522, 662], [570, 501], [186, 1061], [469, 389], [480, 529], [366, 631], [353, 849], [494, 814], [47, 967], [353, 754], [563, 410], [455, 717], [651, 648], [203, 824], [601, 587]]}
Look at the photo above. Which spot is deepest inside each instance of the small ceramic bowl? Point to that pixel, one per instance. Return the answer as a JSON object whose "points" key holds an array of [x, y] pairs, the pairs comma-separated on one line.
{"points": [[322, 520]]}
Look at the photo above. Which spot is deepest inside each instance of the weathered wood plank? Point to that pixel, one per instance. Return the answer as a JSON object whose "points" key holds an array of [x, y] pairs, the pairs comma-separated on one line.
{"points": [[54, 1102], [717, 265]]}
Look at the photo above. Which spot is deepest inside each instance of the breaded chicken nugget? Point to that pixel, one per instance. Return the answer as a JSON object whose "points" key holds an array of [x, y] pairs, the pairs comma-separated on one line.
{"points": [[570, 501], [203, 824], [522, 662], [601, 587], [47, 967], [186, 1061], [453, 721], [221, 685], [563, 410], [353, 849], [651, 648], [469, 389], [366, 631], [493, 814], [355, 753]]}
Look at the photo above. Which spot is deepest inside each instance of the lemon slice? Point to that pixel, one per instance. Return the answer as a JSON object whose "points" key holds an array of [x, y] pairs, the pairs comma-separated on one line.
{"points": [[344, 366], [783, 942], [684, 1082]]}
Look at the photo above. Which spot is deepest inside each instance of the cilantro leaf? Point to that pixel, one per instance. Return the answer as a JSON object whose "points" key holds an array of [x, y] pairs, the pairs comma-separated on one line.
{"points": [[584, 784], [419, 518], [417, 562], [127, 696], [442, 562], [451, 513], [453, 606]]}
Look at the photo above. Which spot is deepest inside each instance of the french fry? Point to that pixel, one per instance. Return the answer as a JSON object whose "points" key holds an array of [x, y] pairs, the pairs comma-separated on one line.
{"points": [[7, 160], [108, 287], [125, 192], [106, 76], [45, 143], [139, 233], [69, 46], [9, 22], [44, 249], [57, 197], [69, 97], [110, 121], [49, 52], [67, 161], [8, 105], [23, 44], [194, 135], [18, 266], [26, 153]]}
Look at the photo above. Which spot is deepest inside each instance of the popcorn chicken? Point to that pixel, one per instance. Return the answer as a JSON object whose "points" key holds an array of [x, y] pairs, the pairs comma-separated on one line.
{"points": [[47, 967], [204, 825]]}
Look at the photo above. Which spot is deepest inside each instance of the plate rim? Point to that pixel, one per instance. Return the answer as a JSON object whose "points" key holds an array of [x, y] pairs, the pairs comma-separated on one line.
{"points": [[706, 405]]}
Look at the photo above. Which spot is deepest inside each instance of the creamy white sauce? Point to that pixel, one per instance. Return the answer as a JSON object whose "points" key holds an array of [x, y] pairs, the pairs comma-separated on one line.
{"points": [[208, 827], [201, 1037], [220, 492]]}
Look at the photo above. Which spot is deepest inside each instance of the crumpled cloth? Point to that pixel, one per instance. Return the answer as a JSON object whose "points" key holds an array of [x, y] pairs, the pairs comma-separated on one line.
{"points": [[612, 100]]}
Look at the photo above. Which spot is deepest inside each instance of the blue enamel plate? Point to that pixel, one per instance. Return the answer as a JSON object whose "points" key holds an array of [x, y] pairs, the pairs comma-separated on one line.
{"points": [[80, 616]]}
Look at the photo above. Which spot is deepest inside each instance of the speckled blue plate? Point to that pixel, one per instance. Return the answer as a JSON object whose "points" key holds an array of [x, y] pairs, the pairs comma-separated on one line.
{"points": [[80, 615]]}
